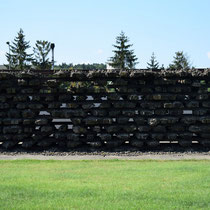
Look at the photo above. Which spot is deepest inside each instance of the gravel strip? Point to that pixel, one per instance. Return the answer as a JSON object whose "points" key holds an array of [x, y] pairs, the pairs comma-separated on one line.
{"points": [[105, 156]]}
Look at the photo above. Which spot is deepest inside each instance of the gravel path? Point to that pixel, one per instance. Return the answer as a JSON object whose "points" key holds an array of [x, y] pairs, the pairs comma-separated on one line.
{"points": [[178, 156]]}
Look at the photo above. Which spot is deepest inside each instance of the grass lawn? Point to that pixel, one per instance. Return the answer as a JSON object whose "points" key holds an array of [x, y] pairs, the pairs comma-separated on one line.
{"points": [[110, 184]]}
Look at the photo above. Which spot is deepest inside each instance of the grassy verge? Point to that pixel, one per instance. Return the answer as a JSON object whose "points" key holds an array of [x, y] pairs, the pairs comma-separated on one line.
{"points": [[112, 184]]}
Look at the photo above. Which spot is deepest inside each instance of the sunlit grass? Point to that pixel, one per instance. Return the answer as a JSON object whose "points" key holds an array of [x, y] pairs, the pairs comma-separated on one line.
{"points": [[110, 184]]}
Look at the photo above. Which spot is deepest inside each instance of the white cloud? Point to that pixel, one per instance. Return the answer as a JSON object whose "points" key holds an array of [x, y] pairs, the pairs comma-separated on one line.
{"points": [[208, 54]]}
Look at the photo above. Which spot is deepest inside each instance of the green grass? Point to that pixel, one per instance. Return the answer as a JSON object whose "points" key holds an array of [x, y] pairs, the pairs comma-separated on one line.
{"points": [[113, 184]]}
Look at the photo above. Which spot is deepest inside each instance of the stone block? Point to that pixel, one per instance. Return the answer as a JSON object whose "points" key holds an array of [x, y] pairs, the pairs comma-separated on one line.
{"points": [[136, 143], [139, 120], [153, 121], [4, 106], [144, 128], [20, 98], [79, 130], [114, 113], [192, 104], [42, 121], [133, 97], [14, 113], [22, 106], [200, 112], [99, 112], [35, 106], [73, 137], [142, 136], [158, 136], [129, 113], [159, 129], [122, 120], [195, 129], [112, 129], [28, 114], [146, 112], [76, 121], [47, 129], [129, 128], [172, 136], [177, 128], [12, 129], [91, 121], [123, 136], [105, 136], [189, 120]]}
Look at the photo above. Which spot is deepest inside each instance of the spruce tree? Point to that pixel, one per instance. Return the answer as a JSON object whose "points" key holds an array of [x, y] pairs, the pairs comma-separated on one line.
{"points": [[153, 65], [41, 51], [180, 62], [19, 58], [124, 58]]}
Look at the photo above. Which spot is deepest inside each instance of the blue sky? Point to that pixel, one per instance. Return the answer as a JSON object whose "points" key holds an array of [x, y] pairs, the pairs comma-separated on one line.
{"points": [[84, 30]]}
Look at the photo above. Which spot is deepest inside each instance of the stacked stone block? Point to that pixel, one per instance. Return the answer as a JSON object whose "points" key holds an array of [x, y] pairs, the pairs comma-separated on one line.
{"points": [[104, 108]]}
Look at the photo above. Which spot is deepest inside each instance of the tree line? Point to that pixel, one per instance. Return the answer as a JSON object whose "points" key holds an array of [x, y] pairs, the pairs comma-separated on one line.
{"points": [[123, 58]]}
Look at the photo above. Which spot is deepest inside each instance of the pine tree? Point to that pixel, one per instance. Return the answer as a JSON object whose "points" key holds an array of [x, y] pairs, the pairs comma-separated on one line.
{"points": [[180, 61], [19, 58], [41, 51], [124, 58], [153, 65]]}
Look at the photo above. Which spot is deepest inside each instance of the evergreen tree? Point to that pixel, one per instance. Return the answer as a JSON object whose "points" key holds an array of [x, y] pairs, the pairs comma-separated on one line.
{"points": [[124, 58], [41, 51], [180, 61], [153, 65], [19, 58]]}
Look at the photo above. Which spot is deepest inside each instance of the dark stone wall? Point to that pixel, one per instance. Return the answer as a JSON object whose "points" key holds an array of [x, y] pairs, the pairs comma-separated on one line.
{"points": [[104, 108]]}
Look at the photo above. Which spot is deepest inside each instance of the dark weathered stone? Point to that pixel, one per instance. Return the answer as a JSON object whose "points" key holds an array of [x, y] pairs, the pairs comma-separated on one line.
{"points": [[35, 106], [194, 128], [144, 128], [153, 121], [112, 129], [172, 136], [129, 128], [185, 143], [136, 143], [177, 128], [73, 137], [186, 136], [129, 113], [105, 137], [99, 112], [142, 136], [12, 129], [152, 143], [95, 144], [146, 112], [192, 104], [28, 114], [91, 121], [46, 129], [200, 112], [87, 106], [139, 120], [76, 121], [79, 129], [114, 113], [159, 128], [206, 104], [73, 144], [158, 136], [189, 120], [122, 120], [42, 121]]}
